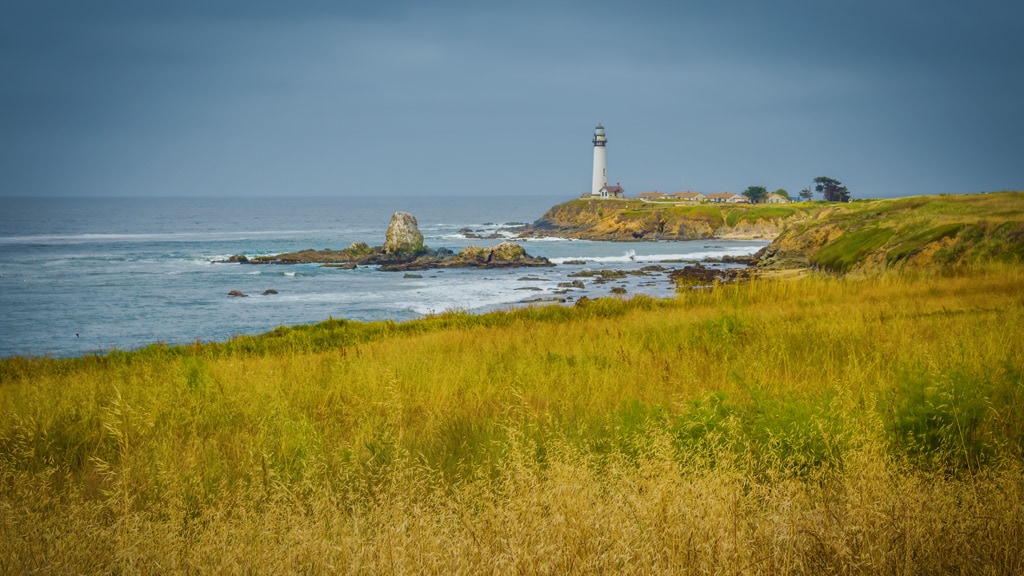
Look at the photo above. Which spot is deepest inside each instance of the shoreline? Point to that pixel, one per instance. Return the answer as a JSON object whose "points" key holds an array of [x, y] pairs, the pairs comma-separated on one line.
{"points": [[632, 220], [277, 293], [747, 236]]}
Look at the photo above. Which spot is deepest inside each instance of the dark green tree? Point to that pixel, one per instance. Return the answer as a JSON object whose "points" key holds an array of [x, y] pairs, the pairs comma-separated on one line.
{"points": [[831, 190], [807, 194], [782, 192], [756, 194]]}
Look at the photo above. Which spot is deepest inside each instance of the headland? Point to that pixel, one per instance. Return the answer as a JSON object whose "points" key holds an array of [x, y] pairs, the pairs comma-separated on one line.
{"points": [[864, 236]]}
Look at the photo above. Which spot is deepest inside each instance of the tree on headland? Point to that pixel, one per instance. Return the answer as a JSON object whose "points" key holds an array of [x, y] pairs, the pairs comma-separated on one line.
{"points": [[782, 192], [832, 190], [755, 193], [807, 194]]}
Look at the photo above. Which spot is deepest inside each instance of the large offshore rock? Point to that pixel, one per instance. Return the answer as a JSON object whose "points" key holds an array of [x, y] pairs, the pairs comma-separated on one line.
{"points": [[403, 236]]}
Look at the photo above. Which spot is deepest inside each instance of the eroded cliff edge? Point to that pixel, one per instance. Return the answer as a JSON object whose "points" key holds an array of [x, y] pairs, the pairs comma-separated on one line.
{"points": [[860, 237], [637, 220], [871, 236]]}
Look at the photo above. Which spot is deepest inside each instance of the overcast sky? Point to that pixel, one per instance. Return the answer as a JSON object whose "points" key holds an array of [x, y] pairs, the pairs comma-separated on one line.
{"points": [[300, 98]]}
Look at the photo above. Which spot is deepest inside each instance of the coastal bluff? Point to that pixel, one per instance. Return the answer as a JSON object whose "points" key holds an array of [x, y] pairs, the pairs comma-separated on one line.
{"points": [[404, 249], [859, 237], [640, 221], [915, 232]]}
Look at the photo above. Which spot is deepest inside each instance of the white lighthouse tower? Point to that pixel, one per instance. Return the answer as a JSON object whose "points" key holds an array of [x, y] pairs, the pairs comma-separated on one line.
{"points": [[600, 162]]}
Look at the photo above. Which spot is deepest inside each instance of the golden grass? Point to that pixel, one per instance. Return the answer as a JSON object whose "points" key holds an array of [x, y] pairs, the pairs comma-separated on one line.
{"points": [[813, 425]]}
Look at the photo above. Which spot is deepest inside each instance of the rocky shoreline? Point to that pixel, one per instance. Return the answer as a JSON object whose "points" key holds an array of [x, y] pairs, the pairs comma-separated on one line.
{"points": [[846, 239], [403, 250], [638, 221]]}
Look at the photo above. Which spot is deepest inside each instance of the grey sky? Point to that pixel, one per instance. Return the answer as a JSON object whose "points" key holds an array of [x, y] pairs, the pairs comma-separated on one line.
{"points": [[216, 98]]}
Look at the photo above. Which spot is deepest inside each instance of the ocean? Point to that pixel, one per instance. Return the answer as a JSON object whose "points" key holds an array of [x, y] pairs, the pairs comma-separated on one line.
{"points": [[83, 276]]}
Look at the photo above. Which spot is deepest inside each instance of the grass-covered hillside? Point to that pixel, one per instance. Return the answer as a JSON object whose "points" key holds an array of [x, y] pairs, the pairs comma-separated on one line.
{"points": [[636, 220], [861, 236], [914, 232], [817, 425]]}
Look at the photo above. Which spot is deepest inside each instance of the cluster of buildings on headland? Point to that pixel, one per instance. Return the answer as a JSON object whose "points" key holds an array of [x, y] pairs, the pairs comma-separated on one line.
{"points": [[714, 197], [601, 190]]}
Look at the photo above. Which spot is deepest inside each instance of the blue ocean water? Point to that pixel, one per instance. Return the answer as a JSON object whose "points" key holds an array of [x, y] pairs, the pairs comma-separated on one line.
{"points": [[79, 276]]}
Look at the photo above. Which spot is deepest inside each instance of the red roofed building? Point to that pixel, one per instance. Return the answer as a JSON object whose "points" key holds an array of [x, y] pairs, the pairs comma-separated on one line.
{"points": [[606, 193], [615, 191]]}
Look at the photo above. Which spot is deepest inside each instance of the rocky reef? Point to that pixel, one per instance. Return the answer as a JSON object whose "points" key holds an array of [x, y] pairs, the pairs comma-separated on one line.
{"points": [[403, 249], [700, 276], [504, 255]]}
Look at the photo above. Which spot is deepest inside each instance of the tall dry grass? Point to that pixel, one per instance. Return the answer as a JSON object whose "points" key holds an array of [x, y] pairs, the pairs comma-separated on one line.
{"points": [[808, 426]]}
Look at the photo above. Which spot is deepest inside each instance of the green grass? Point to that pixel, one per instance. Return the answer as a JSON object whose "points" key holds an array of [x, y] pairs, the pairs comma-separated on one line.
{"points": [[761, 212], [701, 211], [849, 249], [914, 243]]}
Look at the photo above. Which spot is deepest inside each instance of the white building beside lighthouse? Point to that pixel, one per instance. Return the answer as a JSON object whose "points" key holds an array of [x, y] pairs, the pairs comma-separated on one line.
{"points": [[599, 184]]}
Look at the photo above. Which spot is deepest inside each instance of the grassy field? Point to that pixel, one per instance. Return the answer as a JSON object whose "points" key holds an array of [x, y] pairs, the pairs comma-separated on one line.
{"points": [[817, 425]]}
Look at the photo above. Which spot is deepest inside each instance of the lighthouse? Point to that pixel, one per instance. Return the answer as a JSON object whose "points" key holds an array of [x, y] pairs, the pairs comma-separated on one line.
{"points": [[600, 162]]}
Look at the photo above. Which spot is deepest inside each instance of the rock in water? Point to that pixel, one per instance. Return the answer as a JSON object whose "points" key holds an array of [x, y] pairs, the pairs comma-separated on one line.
{"points": [[504, 255], [403, 235], [508, 252], [359, 250]]}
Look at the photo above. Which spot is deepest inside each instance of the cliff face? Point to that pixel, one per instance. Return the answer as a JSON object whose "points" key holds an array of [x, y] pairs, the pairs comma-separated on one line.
{"points": [[860, 237], [634, 220], [906, 233]]}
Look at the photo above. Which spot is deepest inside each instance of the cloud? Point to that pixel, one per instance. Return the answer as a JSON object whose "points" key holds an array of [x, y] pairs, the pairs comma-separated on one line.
{"points": [[270, 98]]}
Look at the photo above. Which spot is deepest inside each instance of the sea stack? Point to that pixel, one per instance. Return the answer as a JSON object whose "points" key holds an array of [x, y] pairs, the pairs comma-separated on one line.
{"points": [[403, 236]]}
